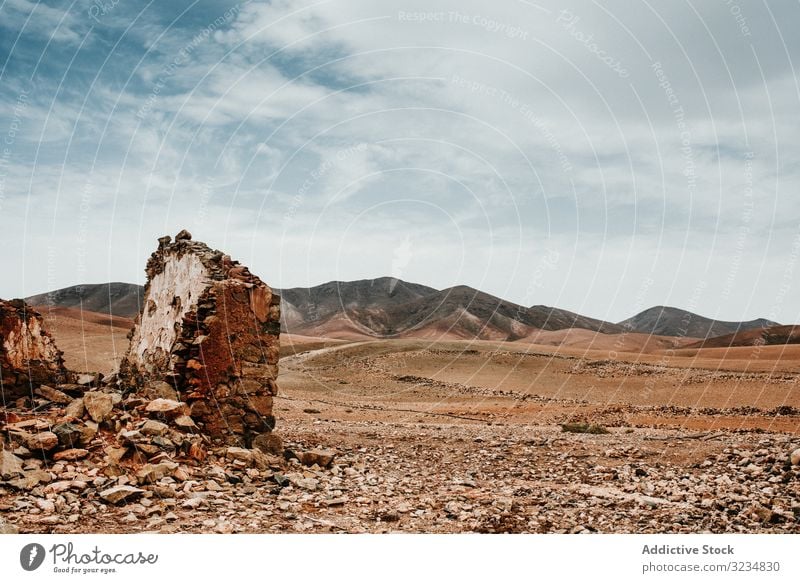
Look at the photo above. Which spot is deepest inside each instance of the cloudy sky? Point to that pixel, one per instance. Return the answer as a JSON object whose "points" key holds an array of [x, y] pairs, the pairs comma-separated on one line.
{"points": [[598, 156]]}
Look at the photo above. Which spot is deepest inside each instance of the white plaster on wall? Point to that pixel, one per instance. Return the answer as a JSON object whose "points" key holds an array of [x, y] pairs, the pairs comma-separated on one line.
{"points": [[185, 278]]}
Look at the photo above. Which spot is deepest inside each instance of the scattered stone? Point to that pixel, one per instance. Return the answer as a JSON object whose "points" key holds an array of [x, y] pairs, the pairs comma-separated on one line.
{"points": [[119, 494], [794, 458], [46, 506], [98, 405]]}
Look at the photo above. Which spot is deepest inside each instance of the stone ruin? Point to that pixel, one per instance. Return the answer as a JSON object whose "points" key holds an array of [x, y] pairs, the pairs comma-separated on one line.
{"points": [[210, 329], [28, 354]]}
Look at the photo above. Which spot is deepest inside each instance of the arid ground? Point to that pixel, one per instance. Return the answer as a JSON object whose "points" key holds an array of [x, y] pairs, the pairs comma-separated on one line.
{"points": [[467, 436]]}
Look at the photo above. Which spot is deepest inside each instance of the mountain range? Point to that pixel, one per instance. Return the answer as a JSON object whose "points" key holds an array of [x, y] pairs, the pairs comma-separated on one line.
{"points": [[388, 307]]}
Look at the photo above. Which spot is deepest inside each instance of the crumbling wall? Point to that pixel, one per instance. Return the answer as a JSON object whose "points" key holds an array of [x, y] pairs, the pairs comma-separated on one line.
{"points": [[28, 354], [210, 329]]}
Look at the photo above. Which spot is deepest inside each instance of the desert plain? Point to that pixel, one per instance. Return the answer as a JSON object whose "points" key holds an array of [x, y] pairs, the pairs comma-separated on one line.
{"points": [[570, 431]]}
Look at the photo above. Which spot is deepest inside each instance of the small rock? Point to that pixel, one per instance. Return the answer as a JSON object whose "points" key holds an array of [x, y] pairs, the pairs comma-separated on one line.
{"points": [[154, 472], [197, 452], [152, 427], [321, 457], [119, 494], [44, 441], [166, 407], [240, 454], [87, 379], [69, 434], [75, 409], [160, 390], [133, 437], [70, 455], [795, 457], [98, 405], [185, 422], [46, 506]]}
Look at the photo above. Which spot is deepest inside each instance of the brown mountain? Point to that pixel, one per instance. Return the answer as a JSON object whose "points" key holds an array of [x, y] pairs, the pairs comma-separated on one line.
{"points": [[666, 321], [388, 307], [771, 336]]}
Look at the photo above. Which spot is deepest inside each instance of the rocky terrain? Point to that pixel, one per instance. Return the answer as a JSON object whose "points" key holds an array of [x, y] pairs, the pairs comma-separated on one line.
{"points": [[371, 442]]}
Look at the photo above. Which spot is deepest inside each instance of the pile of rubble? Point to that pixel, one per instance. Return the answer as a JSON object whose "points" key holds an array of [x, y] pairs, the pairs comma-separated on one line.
{"points": [[192, 400], [81, 450]]}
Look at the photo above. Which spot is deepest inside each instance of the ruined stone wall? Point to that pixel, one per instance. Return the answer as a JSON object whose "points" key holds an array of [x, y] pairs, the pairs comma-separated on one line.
{"points": [[210, 329], [28, 354]]}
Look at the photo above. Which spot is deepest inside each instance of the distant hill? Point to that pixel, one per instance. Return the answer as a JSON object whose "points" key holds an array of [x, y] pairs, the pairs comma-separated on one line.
{"points": [[666, 321], [115, 299], [388, 307], [772, 336]]}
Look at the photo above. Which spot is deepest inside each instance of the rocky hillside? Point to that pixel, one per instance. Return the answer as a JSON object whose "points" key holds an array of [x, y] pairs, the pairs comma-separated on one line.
{"points": [[388, 307], [115, 299], [666, 321]]}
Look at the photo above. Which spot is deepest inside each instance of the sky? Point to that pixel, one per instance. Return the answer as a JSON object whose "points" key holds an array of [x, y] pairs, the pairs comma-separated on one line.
{"points": [[599, 157]]}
